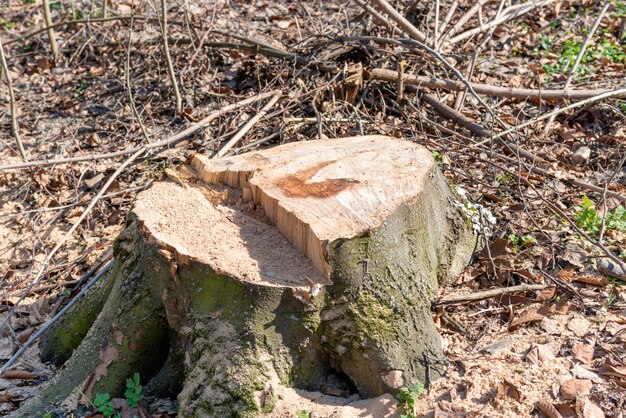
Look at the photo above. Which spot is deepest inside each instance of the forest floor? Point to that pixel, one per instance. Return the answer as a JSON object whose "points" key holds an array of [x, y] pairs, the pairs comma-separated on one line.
{"points": [[551, 201]]}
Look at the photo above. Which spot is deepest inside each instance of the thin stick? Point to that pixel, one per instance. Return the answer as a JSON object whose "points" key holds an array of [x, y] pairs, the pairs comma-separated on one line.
{"points": [[582, 51], [15, 129], [68, 23], [260, 141], [464, 19], [55, 318], [400, 20], [168, 59], [400, 81], [607, 95], [491, 293], [51, 36], [445, 23], [376, 15], [436, 35], [489, 90], [505, 17], [456, 117], [172, 139], [60, 243], [129, 86], [235, 139]]}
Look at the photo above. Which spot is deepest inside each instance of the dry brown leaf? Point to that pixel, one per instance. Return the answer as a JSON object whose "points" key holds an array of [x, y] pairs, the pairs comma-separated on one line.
{"points": [[530, 315], [19, 374], [575, 256], [567, 410], [593, 280], [575, 388], [547, 408], [545, 294], [613, 370], [498, 248], [444, 409], [507, 389], [591, 410], [533, 356], [583, 353], [566, 275]]}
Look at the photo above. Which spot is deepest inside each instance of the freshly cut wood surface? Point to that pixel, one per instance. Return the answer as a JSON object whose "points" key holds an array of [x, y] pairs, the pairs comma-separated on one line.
{"points": [[198, 226], [320, 191]]}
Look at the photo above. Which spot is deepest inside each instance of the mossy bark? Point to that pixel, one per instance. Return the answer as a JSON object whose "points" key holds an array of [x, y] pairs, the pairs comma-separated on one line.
{"points": [[224, 344]]}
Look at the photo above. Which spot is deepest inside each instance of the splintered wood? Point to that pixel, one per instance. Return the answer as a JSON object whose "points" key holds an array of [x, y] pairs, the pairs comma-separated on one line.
{"points": [[311, 193]]}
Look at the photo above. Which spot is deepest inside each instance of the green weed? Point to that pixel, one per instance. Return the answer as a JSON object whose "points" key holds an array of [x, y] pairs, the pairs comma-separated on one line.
{"points": [[588, 220], [520, 242], [133, 391], [104, 404], [302, 413], [408, 399]]}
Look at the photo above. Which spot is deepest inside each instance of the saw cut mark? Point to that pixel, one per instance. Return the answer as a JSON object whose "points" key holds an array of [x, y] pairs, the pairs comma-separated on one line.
{"points": [[300, 184]]}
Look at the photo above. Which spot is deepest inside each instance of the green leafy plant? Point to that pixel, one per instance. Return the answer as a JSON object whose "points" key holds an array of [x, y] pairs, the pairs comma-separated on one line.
{"points": [[519, 242], [588, 220], [302, 413], [104, 404], [545, 42], [408, 397], [47, 415], [133, 391]]}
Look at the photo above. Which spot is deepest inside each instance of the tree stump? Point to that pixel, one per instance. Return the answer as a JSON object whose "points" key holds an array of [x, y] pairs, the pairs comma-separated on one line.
{"points": [[278, 267]]}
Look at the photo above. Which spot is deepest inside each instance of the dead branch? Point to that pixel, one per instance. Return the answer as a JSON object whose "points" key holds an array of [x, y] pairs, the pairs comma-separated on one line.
{"points": [[445, 23], [51, 36], [456, 117], [614, 94], [75, 226], [168, 58], [15, 130], [400, 20], [464, 19], [581, 53], [55, 318], [171, 140], [128, 83], [69, 23], [507, 92], [488, 294], [258, 116], [511, 12]]}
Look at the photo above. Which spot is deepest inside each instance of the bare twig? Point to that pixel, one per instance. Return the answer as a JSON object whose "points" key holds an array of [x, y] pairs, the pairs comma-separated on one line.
{"points": [[15, 130], [168, 59], [76, 224], [129, 88], [605, 95], [69, 23], [508, 14], [488, 294], [258, 116], [489, 90], [446, 21], [55, 318], [400, 20], [465, 18], [51, 36], [170, 140], [456, 117], [581, 53]]}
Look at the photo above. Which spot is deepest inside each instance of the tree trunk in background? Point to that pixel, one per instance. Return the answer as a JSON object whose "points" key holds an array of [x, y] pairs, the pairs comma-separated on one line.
{"points": [[275, 268]]}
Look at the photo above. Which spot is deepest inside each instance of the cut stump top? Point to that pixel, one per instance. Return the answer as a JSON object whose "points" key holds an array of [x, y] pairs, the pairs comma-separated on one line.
{"points": [[312, 192]]}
